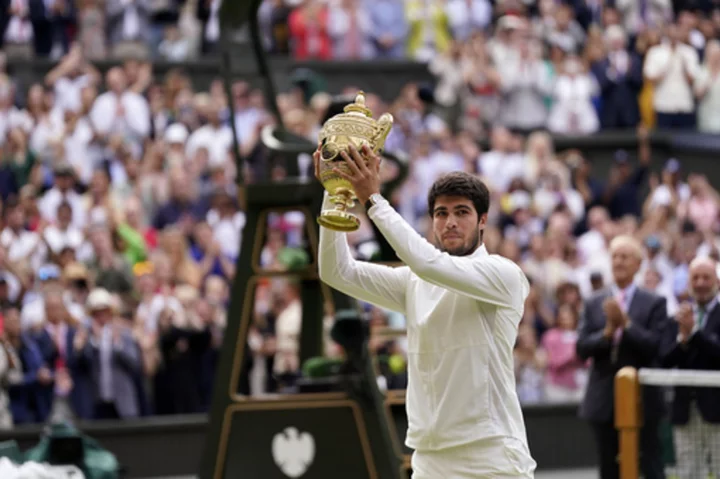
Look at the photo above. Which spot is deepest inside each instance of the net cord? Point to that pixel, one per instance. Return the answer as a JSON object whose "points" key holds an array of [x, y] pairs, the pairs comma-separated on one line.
{"points": [[679, 377]]}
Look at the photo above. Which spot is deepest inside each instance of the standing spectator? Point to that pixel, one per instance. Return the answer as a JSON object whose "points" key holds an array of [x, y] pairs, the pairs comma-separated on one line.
{"points": [[468, 17], [128, 27], [349, 28], [525, 84], [707, 90], [109, 353], [622, 326], [673, 66], [309, 31], [10, 373], [208, 12], [573, 111], [429, 30], [388, 28], [641, 15], [27, 403], [620, 78], [91, 36], [623, 187], [692, 341]]}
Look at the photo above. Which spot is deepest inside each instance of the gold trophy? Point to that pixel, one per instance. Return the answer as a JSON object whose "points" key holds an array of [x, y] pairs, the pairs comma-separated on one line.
{"points": [[355, 126]]}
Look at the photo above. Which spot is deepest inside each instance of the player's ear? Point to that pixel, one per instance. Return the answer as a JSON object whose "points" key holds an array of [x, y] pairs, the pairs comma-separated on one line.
{"points": [[482, 222]]}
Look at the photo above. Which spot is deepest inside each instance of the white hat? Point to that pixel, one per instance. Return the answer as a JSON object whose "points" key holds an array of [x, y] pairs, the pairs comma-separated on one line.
{"points": [[99, 298], [176, 133]]}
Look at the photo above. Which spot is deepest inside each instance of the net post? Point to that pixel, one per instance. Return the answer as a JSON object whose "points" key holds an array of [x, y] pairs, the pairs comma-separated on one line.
{"points": [[628, 421]]}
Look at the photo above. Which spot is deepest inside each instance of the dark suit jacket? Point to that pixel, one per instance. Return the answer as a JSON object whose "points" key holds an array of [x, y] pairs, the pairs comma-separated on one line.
{"points": [[27, 403], [620, 107], [702, 351], [639, 347], [126, 366]]}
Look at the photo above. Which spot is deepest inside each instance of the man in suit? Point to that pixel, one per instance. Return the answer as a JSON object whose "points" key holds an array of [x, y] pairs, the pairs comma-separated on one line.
{"points": [[622, 326], [111, 357], [692, 341], [621, 78]]}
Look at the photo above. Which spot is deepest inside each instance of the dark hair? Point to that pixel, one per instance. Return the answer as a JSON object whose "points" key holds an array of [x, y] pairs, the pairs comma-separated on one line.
{"points": [[463, 185]]}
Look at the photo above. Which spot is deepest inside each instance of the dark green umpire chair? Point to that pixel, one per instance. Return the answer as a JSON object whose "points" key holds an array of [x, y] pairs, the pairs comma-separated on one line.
{"points": [[336, 424]]}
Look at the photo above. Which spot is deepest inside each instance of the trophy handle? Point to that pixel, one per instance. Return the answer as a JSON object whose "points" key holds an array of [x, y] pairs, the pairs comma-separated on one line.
{"points": [[382, 130]]}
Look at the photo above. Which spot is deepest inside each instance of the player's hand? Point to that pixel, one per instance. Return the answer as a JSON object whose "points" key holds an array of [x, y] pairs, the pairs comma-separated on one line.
{"points": [[316, 162], [364, 176]]}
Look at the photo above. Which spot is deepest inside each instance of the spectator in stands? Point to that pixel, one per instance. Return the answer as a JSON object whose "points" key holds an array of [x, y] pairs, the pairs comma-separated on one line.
{"points": [[672, 66], [619, 75], [573, 111], [429, 33], [565, 31], [692, 341], [639, 16], [566, 373], [128, 27], [110, 358], [468, 17], [10, 373], [525, 84], [27, 403], [287, 331], [530, 364], [388, 28], [623, 186], [702, 207], [309, 31], [621, 326], [120, 111], [349, 28], [707, 90]]}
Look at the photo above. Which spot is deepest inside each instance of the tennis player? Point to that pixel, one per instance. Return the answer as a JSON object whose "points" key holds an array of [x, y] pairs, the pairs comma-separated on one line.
{"points": [[463, 307]]}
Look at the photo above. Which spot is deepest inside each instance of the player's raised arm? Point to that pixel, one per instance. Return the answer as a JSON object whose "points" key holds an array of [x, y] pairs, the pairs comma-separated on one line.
{"points": [[380, 285], [462, 265], [491, 279]]}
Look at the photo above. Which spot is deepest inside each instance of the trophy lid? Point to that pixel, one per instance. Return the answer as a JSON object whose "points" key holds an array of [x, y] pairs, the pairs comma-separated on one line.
{"points": [[359, 106]]}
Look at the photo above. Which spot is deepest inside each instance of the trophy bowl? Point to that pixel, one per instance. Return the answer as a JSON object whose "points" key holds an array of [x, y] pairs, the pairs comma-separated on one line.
{"points": [[355, 126]]}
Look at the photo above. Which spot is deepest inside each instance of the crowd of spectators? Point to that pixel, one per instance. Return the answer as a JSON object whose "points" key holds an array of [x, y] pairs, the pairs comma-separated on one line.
{"points": [[120, 218]]}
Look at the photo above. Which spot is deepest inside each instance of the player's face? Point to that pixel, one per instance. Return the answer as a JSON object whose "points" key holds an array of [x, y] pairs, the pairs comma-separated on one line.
{"points": [[456, 225]]}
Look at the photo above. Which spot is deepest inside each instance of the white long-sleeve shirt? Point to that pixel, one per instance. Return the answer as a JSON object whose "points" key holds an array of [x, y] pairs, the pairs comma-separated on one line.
{"points": [[462, 318]]}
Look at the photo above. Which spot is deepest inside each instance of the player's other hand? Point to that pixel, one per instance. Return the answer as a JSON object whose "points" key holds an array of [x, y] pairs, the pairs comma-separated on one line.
{"points": [[316, 162]]}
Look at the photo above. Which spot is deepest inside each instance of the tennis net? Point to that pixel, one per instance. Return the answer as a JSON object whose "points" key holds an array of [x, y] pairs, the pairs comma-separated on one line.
{"points": [[691, 434]]}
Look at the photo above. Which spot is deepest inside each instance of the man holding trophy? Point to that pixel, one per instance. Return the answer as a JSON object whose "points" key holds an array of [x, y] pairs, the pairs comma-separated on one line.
{"points": [[462, 305]]}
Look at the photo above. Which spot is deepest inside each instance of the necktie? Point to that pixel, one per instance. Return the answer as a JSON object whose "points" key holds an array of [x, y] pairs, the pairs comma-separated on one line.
{"points": [[622, 300], [700, 317]]}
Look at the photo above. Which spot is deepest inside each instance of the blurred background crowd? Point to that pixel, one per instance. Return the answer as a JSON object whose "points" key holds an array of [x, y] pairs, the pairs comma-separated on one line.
{"points": [[120, 215]]}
